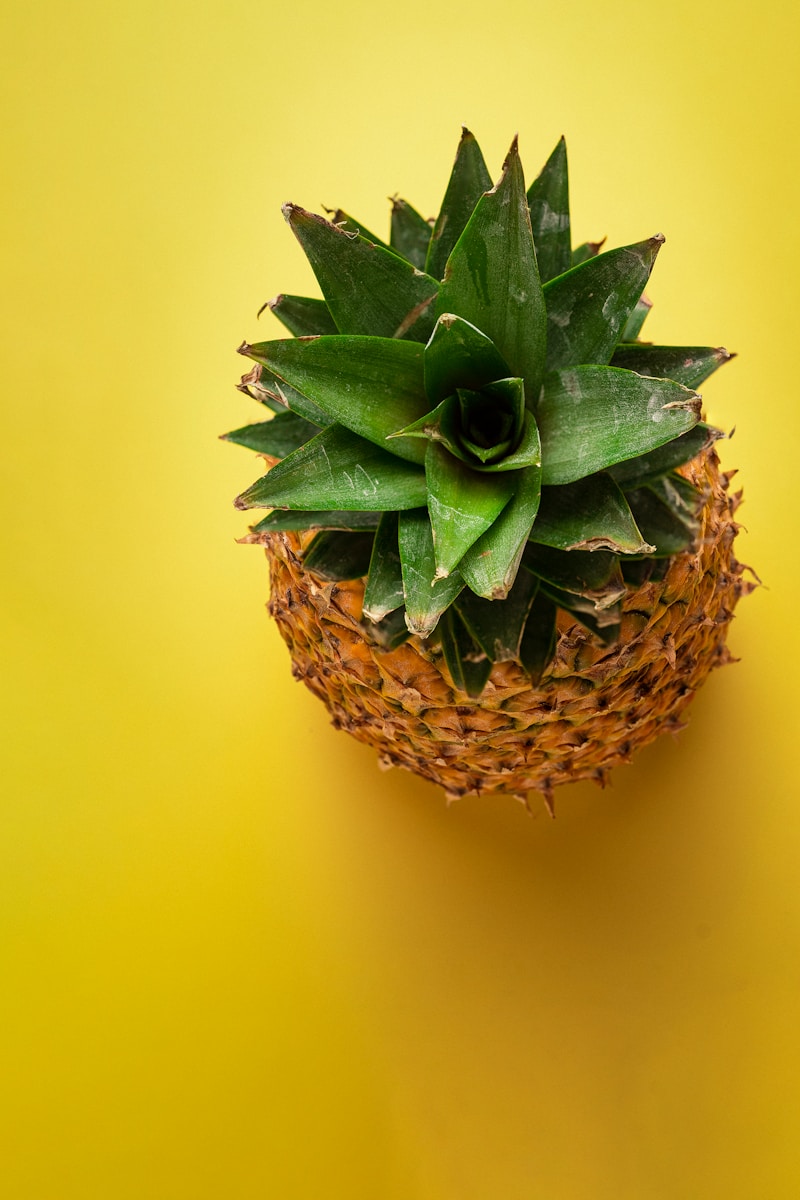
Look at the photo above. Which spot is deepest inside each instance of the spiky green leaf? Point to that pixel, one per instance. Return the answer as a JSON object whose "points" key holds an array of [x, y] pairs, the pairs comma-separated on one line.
{"points": [[371, 385], [469, 179], [338, 470], [426, 597], [668, 532], [296, 519], [492, 279], [539, 637], [337, 555], [548, 200], [469, 667], [594, 575], [384, 590], [689, 365], [411, 233], [369, 290], [303, 315], [277, 438], [637, 471], [490, 566], [462, 504], [264, 385], [590, 514], [588, 306], [351, 225], [592, 417], [585, 251], [460, 356], [497, 625], [633, 326]]}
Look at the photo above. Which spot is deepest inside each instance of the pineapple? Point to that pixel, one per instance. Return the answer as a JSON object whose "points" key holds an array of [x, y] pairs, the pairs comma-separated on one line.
{"points": [[500, 543]]}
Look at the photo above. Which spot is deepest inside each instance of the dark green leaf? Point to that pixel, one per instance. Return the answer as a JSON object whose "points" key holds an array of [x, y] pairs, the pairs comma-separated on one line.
{"points": [[411, 233], [337, 555], [372, 385], [468, 665], [633, 326], [663, 459], [497, 625], [297, 519], [426, 597], [538, 643], [592, 575], [667, 532], [548, 199], [592, 417], [604, 623], [585, 251], [392, 631], [369, 290], [689, 365], [490, 566], [384, 591], [462, 503], [682, 497], [303, 315], [588, 306], [491, 422], [492, 279], [343, 220], [590, 514], [460, 356], [468, 181], [338, 470], [277, 438], [263, 385]]}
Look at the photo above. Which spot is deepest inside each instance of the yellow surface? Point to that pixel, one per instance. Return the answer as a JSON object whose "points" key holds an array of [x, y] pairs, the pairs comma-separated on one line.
{"points": [[225, 978]]}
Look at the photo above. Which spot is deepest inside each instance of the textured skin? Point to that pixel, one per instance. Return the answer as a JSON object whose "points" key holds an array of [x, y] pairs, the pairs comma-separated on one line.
{"points": [[593, 710]]}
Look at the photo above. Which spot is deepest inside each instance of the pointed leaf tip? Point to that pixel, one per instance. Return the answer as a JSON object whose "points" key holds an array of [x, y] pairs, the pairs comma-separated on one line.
{"points": [[244, 349]]}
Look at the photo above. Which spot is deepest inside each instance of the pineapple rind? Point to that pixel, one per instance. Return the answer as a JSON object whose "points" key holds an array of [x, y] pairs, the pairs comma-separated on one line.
{"points": [[595, 706]]}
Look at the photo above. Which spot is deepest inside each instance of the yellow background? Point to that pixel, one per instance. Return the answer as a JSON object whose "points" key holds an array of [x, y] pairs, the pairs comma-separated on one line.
{"points": [[238, 961]]}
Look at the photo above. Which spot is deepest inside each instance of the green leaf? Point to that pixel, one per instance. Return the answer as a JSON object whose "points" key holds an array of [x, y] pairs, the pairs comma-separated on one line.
{"points": [[468, 665], [384, 591], [593, 575], [492, 279], [265, 386], [603, 623], [538, 643], [588, 306], [590, 514], [689, 365], [369, 290], [468, 181], [297, 519], [372, 385], [667, 532], [426, 597], [303, 315], [592, 417], [462, 504], [497, 625], [460, 356], [336, 555], [338, 470], [585, 251], [634, 323], [548, 200], [411, 233], [490, 566], [277, 438], [681, 496], [636, 471], [343, 220], [492, 420], [392, 631]]}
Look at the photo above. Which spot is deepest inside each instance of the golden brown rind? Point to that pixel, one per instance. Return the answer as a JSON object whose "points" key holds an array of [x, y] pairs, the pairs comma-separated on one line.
{"points": [[595, 708]]}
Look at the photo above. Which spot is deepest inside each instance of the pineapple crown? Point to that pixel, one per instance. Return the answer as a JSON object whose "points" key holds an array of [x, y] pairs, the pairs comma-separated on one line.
{"points": [[469, 419]]}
